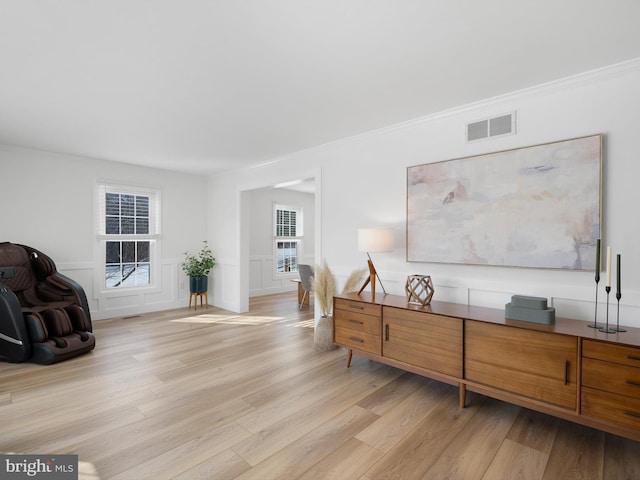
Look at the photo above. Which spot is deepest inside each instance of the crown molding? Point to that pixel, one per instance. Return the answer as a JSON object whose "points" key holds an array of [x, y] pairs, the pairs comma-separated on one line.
{"points": [[581, 79]]}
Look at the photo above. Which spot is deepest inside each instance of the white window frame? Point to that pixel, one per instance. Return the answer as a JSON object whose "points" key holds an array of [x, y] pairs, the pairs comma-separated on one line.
{"points": [[153, 237], [298, 238]]}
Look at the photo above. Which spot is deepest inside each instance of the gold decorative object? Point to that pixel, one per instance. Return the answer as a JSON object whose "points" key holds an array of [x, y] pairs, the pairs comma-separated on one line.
{"points": [[419, 289]]}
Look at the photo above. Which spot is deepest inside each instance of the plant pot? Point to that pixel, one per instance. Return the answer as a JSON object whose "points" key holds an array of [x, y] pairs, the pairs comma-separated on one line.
{"points": [[198, 284], [323, 334]]}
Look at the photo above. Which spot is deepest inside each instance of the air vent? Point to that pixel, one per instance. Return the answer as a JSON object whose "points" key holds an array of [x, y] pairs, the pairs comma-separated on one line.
{"points": [[492, 127]]}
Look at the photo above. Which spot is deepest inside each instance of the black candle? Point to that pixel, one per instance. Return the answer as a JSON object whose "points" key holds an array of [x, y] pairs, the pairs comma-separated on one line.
{"points": [[618, 274], [598, 260]]}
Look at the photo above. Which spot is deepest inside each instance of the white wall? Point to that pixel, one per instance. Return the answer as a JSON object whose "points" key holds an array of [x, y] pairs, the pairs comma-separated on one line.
{"points": [[47, 201], [364, 184], [262, 277]]}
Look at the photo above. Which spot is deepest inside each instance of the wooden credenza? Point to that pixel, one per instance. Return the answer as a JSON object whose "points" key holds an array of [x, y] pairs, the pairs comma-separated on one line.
{"points": [[566, 369]]}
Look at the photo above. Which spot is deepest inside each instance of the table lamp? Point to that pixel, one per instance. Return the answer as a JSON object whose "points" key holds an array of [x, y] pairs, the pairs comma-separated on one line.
{"points": [[374, 240]]}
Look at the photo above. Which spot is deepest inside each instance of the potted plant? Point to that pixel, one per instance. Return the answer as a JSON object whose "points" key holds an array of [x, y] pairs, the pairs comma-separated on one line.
{"points": [[197, 267]]}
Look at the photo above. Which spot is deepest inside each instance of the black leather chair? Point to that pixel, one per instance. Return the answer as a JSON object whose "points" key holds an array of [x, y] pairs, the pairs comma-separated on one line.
{"points": [[44, 315]]}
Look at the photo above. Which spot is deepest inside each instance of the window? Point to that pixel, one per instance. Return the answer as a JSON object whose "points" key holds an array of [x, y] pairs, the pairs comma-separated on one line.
{"points": [[287, 238], [128, 232]]}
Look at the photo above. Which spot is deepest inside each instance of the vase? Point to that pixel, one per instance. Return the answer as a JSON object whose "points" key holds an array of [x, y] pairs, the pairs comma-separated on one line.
{"points": [[323, 334], [198, 284]]}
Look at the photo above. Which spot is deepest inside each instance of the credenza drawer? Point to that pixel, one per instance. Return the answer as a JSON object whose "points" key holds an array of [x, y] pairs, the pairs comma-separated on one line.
{"points": [[357, 321], [611, 377], [622, 410], [365, 308], [610, 352], [357, 339]]}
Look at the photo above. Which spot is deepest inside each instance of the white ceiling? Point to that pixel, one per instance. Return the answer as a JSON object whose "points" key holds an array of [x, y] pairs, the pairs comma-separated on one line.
{"points": [[205, 85]]}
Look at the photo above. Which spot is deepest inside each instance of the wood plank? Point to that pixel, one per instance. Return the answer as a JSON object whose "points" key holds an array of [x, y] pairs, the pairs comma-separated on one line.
{"points": [[391, 428], [348, 462], [470, 453], [619, 455], [391, 394], [269, 441], [578, 453], [412, 457], [515, 460], [298, 457], [535, 430]]}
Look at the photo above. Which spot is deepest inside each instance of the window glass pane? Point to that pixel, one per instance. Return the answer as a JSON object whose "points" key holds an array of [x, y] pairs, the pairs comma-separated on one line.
{"points": [[127, 205], [128, 275], [143, 251], [292, 224], [112, 204], [142, 226], [142, 206], [286, 223], [112, 276], [128, 252], [143, 275], [287, 256], [127, 226], [113, 252], [112, 226]]}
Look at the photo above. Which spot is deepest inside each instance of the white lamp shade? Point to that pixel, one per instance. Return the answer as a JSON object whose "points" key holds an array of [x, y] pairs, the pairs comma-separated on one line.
{"points": [[375, 240]]}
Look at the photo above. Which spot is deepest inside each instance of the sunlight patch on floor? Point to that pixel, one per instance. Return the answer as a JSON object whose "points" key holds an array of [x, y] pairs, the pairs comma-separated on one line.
{"points": [[229, 319], [303, 324], [87, 471]]}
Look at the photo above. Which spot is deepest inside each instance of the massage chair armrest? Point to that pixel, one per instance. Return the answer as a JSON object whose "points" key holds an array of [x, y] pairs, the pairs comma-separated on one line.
{"points": [[81, 297]]}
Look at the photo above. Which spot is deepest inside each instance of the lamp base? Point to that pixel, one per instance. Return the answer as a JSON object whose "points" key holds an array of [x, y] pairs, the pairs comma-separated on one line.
{"points": [[370, 279]]}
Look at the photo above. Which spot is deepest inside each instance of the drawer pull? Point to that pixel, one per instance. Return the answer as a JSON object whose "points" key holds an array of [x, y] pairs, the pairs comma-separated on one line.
{"points": [[357, 307], [632, 382], [566, 372], [633, 357], [632, 414], [354, 339], [356, 321], [386, 332]]}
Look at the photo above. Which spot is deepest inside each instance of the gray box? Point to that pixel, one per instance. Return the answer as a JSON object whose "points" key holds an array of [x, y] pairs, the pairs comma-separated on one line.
{"points": [[538, 303], [545, 316]]}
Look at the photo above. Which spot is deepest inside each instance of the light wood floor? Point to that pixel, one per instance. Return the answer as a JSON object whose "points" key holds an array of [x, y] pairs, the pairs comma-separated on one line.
{"points": [[213, 395]]}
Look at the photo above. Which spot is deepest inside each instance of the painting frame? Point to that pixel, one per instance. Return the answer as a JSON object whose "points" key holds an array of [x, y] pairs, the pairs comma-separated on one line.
{"points": [[538, 206]]}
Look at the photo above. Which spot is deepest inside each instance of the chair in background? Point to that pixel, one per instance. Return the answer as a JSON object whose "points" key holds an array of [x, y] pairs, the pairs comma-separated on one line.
{"points": [[306, 278]]}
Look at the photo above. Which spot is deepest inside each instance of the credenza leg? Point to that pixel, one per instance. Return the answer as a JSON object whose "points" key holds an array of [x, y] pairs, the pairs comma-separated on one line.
{"points": [[463, 394], [349, 355]]}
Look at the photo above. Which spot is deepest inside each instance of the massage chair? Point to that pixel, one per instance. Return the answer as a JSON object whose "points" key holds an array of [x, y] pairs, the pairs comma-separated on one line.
{"points": [[44, 315]]}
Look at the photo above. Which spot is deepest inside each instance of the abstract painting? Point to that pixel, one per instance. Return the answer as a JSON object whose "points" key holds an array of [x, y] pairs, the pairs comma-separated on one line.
{"points": [[536, 206]]}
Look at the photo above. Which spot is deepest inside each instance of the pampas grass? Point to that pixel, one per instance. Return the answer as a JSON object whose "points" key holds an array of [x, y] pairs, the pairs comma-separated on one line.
{"points": [[324, 287], [354, 281]]}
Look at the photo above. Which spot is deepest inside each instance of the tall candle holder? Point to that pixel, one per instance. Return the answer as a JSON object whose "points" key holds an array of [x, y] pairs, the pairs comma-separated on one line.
{"points": [[618, 297], [618, 329], [606, 329], [595, 318]]}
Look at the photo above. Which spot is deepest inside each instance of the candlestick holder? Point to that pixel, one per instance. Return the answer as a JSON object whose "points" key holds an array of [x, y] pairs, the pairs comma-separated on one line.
{"points": [[595, 318], [618, 329], [606, 329]]}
